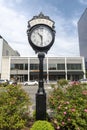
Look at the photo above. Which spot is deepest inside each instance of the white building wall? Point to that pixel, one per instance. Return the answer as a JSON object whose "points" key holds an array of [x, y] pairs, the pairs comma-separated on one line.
{"points": [[5, 68], [7, 50], [1, 43], [7, 61]]}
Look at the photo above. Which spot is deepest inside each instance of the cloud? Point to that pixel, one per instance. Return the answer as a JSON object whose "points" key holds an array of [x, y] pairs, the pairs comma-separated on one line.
{"points": [[66, 41], [10, 2], [13, 26], [83, 2]]}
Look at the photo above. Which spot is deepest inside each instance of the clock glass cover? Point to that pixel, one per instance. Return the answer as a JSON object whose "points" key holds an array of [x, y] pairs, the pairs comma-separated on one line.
{"points": [[41, 36]]}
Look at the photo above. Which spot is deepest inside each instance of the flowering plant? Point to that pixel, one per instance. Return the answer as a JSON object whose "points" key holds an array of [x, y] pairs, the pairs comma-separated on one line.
{"points": [[70, 107], [14, 108]]}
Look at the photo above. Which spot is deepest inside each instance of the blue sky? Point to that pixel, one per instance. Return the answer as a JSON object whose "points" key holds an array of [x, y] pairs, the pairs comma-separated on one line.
{"points": [[14, 15]]}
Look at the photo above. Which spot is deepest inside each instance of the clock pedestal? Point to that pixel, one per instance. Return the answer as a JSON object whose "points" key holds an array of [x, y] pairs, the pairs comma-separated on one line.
{"points": [[41, 95]]}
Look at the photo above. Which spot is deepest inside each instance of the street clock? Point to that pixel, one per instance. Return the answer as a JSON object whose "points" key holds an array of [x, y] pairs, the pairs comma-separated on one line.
{"points": [[41, 33]]}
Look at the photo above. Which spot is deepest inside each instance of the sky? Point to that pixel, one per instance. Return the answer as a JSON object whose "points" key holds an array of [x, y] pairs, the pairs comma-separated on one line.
{"points": [[15, 14]]}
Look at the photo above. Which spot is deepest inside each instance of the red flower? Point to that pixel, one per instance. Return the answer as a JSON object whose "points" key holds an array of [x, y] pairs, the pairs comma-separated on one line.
{"points": [[58, 128], [73, 109], [63, 123], [84, 92], [64, 113], [67, 102], [69, 119], [85, 110]]}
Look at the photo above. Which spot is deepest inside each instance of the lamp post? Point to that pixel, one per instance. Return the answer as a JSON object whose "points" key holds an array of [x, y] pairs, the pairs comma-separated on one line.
{"points": [[41, 35]]}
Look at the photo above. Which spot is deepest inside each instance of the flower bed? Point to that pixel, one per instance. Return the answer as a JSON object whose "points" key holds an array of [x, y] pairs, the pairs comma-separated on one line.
{"points": [[69, 107], [68, 104]]}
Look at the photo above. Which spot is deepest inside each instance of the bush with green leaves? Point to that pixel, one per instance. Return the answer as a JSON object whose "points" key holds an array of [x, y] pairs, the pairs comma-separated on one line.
{"points": [[69, 107], [3, 84], [62, 82], [42, 125], [14, 108]]}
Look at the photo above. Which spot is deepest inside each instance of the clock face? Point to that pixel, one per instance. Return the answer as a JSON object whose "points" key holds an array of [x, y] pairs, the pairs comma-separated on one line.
{"points": [[41, 36]]}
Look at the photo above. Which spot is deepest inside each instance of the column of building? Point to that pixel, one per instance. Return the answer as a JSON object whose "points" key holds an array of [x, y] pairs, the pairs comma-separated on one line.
{"points": [[65, 68], [84, 71], [28, 69]]}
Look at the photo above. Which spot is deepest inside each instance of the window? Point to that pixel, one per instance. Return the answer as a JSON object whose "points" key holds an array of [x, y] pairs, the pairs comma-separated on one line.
{"points": [[12, 66], [74, 66], [60, 66], [52, 66], [26, 66], [16, 66], [45, 66], [34, 67], [20, 67]]}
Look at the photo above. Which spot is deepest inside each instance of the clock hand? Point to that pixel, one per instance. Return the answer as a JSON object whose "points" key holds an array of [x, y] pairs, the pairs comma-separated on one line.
{"points": [[41, 39]]}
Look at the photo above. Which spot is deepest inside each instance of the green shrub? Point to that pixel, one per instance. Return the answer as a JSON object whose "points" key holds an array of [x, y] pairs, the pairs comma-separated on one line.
{"points": [[3, 85], [42, 125], [14, 109], [62, 82], [69, 107], [52, 85]]}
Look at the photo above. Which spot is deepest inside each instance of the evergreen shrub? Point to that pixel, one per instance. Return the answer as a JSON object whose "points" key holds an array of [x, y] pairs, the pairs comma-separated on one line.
{"points": [[42, 125]]}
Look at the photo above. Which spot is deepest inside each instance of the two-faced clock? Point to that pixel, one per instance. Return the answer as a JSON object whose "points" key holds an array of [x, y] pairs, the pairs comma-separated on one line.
{"points": [[41, 37]]}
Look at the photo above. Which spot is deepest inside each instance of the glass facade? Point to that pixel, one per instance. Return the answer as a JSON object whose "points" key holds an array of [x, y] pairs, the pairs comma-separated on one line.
{"points": [[34, 66], [56, 66], [45, 66], [74, 67], [26, 66], [71, 69], [19, 66], [52, 67], [82, 34], [60, 66]]}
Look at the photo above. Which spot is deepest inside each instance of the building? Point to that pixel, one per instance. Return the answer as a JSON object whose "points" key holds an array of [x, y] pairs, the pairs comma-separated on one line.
{"points": [[27, 68], [6, 50], [82, 32], [12, 66]]}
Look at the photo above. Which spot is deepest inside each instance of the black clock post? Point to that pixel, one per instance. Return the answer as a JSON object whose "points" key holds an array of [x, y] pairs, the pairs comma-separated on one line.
{"points": [[41, 95], [41, 35]]}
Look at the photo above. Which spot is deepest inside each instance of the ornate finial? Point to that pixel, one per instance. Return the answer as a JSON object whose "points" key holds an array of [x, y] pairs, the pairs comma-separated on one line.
{"points": [[41, 15]]}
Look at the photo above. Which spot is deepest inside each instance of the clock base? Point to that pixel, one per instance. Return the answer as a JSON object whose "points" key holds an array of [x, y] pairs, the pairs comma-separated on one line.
{"points": [[41, 106]]}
